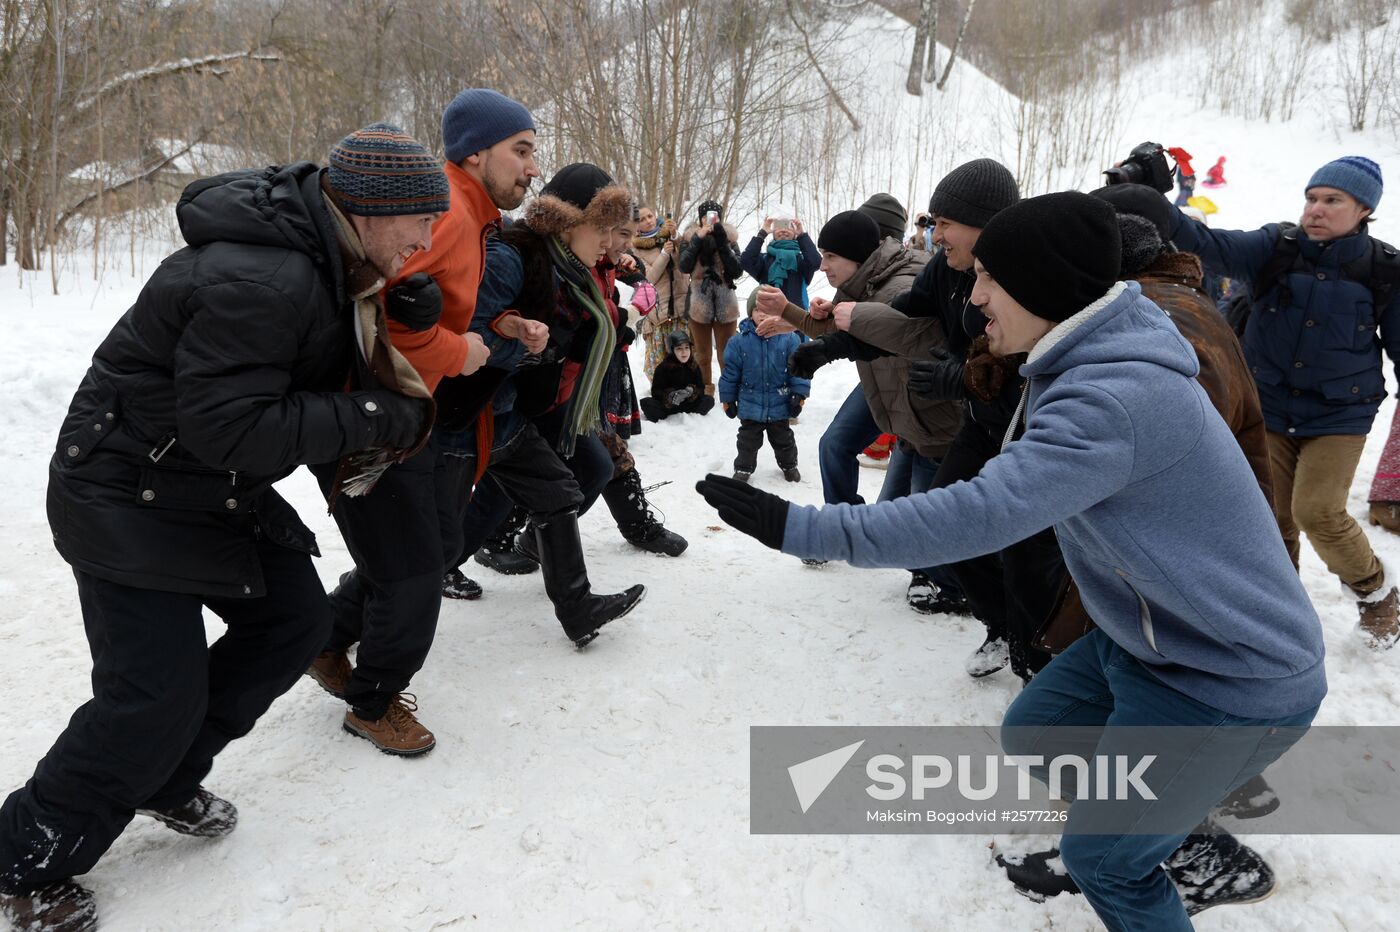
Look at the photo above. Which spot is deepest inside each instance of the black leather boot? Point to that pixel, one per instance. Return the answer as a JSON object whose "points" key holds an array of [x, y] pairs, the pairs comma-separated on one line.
{"points": [[635, 519], [499, 551], [577, 607]]}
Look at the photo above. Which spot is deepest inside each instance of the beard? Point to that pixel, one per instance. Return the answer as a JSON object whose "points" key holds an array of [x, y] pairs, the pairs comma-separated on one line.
{"points": [[506, 195]]}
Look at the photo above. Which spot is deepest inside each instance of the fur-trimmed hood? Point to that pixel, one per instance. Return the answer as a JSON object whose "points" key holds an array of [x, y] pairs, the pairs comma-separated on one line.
{"points": [[610, 207]]}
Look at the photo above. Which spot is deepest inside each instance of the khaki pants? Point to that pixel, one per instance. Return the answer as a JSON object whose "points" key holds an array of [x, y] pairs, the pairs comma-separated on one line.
{"points": [[1312, 476], [707, 339]]}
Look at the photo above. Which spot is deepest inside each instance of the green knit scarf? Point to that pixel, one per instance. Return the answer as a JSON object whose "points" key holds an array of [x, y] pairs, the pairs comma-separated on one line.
{"points": [[583, 413]]}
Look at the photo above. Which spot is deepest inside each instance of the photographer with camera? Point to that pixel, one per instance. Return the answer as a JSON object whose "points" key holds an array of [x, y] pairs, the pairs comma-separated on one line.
{"points": [[790, 260], [710, 258], [1326, 301], [655, 246], [922, 240]]}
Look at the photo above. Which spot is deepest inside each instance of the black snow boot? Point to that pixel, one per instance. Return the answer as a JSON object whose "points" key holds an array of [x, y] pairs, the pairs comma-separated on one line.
{"points": [[628, 503], [578, 608], [1254, 799], [1215, 869], [61, 906], [206, 816], [499, 551], [457, 585], [927, 597]]}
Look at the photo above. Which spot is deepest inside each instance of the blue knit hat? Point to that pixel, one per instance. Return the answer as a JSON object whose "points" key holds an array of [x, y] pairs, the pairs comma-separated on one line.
{"points": [[478, 118], [381, 171], [1357, 176]]}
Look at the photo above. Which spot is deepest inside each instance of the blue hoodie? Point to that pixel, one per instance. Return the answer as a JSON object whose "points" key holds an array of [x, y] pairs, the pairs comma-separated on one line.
{"points": [[756, 374], [1176, 552]]}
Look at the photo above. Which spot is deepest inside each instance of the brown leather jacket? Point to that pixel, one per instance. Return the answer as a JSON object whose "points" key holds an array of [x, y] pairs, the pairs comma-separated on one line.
{"points": [[1173, 283]]}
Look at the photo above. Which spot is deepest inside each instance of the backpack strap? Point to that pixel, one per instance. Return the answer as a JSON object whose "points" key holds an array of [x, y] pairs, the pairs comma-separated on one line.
{"points": [[1286, 258], [1384, 275]]}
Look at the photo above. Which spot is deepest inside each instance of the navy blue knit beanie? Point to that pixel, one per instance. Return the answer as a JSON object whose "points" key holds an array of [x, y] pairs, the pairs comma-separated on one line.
{"points": [[381, 171], [478, 118], [1357, 176]]}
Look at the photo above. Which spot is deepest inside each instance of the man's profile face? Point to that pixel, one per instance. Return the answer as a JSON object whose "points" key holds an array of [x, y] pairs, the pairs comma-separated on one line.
{"points": [[1011, 328], [838, 269], [389, 241], [621, 239], [505, 169], [1330, 213], [957, 240]]}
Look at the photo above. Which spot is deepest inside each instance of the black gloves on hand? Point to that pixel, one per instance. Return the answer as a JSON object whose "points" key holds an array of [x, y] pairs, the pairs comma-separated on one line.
{"points": [[626, 336], [731, 408], [795, 405], [395, 420], [807, 359], [415, 302], [680, 396], [940, 378], [759, 514]]}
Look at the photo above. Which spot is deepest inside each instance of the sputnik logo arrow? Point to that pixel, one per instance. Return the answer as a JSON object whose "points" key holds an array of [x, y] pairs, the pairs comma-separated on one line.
{"points": [[810, 778]]}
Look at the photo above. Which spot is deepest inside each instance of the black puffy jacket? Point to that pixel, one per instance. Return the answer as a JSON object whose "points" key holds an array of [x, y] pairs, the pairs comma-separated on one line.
{"points": [[228, 372]]}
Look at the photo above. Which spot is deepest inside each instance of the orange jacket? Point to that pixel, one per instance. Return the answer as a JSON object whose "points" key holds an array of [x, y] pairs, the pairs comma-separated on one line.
{"points": [[457, 261]]}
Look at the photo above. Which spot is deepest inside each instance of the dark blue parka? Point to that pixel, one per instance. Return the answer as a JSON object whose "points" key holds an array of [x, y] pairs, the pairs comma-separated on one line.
{"points": [[756, 374], [756, 261], [1314, 348]]}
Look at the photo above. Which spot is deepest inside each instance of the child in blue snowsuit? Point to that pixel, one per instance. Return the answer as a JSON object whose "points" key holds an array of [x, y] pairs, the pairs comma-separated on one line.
{"points": [[757, 388], [788, 263]]}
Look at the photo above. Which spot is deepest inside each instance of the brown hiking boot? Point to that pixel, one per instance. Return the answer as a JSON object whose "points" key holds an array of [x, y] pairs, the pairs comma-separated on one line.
{"points": [[1386, 515], [1380, 620], [397, 732], [331, 670], [62, 906]]}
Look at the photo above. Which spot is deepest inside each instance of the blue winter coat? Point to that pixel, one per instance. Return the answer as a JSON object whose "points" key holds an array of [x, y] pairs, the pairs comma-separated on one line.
{"points": [[1163, 526], [1316, 360], [756, 261], [756, 374]]}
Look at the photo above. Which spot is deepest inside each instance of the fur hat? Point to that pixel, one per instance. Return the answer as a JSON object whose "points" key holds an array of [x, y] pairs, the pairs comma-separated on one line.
{"points": [[1142, 244], [579, 193]]}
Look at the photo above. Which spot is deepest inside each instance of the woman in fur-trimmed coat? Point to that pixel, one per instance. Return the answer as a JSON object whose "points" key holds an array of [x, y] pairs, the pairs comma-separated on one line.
{"points": [[710, 256]]}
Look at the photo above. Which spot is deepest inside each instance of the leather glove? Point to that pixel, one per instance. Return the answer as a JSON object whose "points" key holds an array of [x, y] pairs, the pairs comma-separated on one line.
{"points": [[415, 302], [680, 396], [807, 359], [940, 378], [795, 403], [731, 409], [395, 420], [626, 336], [759, 514]]}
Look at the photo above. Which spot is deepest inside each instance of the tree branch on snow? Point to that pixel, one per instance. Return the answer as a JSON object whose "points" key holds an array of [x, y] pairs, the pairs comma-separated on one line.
{"points": [[112, 187], [816, 66], [168, 68]]}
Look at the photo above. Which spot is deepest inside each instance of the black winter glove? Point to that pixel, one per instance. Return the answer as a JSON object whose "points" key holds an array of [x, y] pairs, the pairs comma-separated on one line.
{"points": [[415, 302], [680, 396], [395, 420], [731, 409], [807, 359], [626, 336], [940, 378], [795, 405], [759, 514]]}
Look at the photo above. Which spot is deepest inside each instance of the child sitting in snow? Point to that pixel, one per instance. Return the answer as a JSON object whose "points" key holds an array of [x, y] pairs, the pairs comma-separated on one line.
{"points": [[757, 388], [790, 260], [677, 385]]}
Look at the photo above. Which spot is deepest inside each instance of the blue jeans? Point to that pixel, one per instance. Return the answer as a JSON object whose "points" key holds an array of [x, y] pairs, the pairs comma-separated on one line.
{"points": [[850, 431], [909, 473], [1096, 683]]}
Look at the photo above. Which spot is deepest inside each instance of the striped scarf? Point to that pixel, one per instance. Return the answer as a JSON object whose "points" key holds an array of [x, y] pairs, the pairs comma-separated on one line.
{"points": [[584, 413]]}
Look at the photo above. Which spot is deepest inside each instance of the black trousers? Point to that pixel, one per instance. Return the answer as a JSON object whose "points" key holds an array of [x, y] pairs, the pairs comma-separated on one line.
{"points": [[389, 602], [526, 471], [654, 410], [1013, 590], [780, 438], [164, 703]]}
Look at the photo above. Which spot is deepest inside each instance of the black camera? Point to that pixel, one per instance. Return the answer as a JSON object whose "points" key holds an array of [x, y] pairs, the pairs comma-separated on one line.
{"points": [[1146, 164]]}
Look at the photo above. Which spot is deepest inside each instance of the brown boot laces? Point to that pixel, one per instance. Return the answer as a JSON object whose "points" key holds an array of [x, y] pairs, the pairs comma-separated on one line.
{"points": [[400, 712]]}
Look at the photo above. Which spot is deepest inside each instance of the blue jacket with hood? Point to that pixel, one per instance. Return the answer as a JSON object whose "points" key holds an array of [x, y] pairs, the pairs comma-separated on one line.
{"points": [[756, 374], [1176, 552]]}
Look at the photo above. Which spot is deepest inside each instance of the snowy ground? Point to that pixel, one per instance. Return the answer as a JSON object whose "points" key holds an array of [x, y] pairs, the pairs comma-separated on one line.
{"points": [[608, 789]]}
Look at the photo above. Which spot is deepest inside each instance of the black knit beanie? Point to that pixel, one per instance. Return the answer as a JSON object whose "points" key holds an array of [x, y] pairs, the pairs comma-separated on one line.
{"points": [[973, 192], [851, 235], [577, 183], [1055, 254], [1143, 200], [888, 213]]}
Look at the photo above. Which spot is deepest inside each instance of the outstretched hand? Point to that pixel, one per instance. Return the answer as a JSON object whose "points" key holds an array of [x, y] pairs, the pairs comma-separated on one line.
{"points": [[759, 514]]}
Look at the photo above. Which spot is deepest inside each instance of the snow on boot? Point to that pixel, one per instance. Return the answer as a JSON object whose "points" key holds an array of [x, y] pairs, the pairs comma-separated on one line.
{"points": [[205, 816], [742, 475], [993, 655], [457, 585], [1038, 875], [499, 554], [791, 474], [61, 906], [1380, 618], [1214, 870], [1386, 515], [627, 501], [927, 597], [1252, 800]]}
